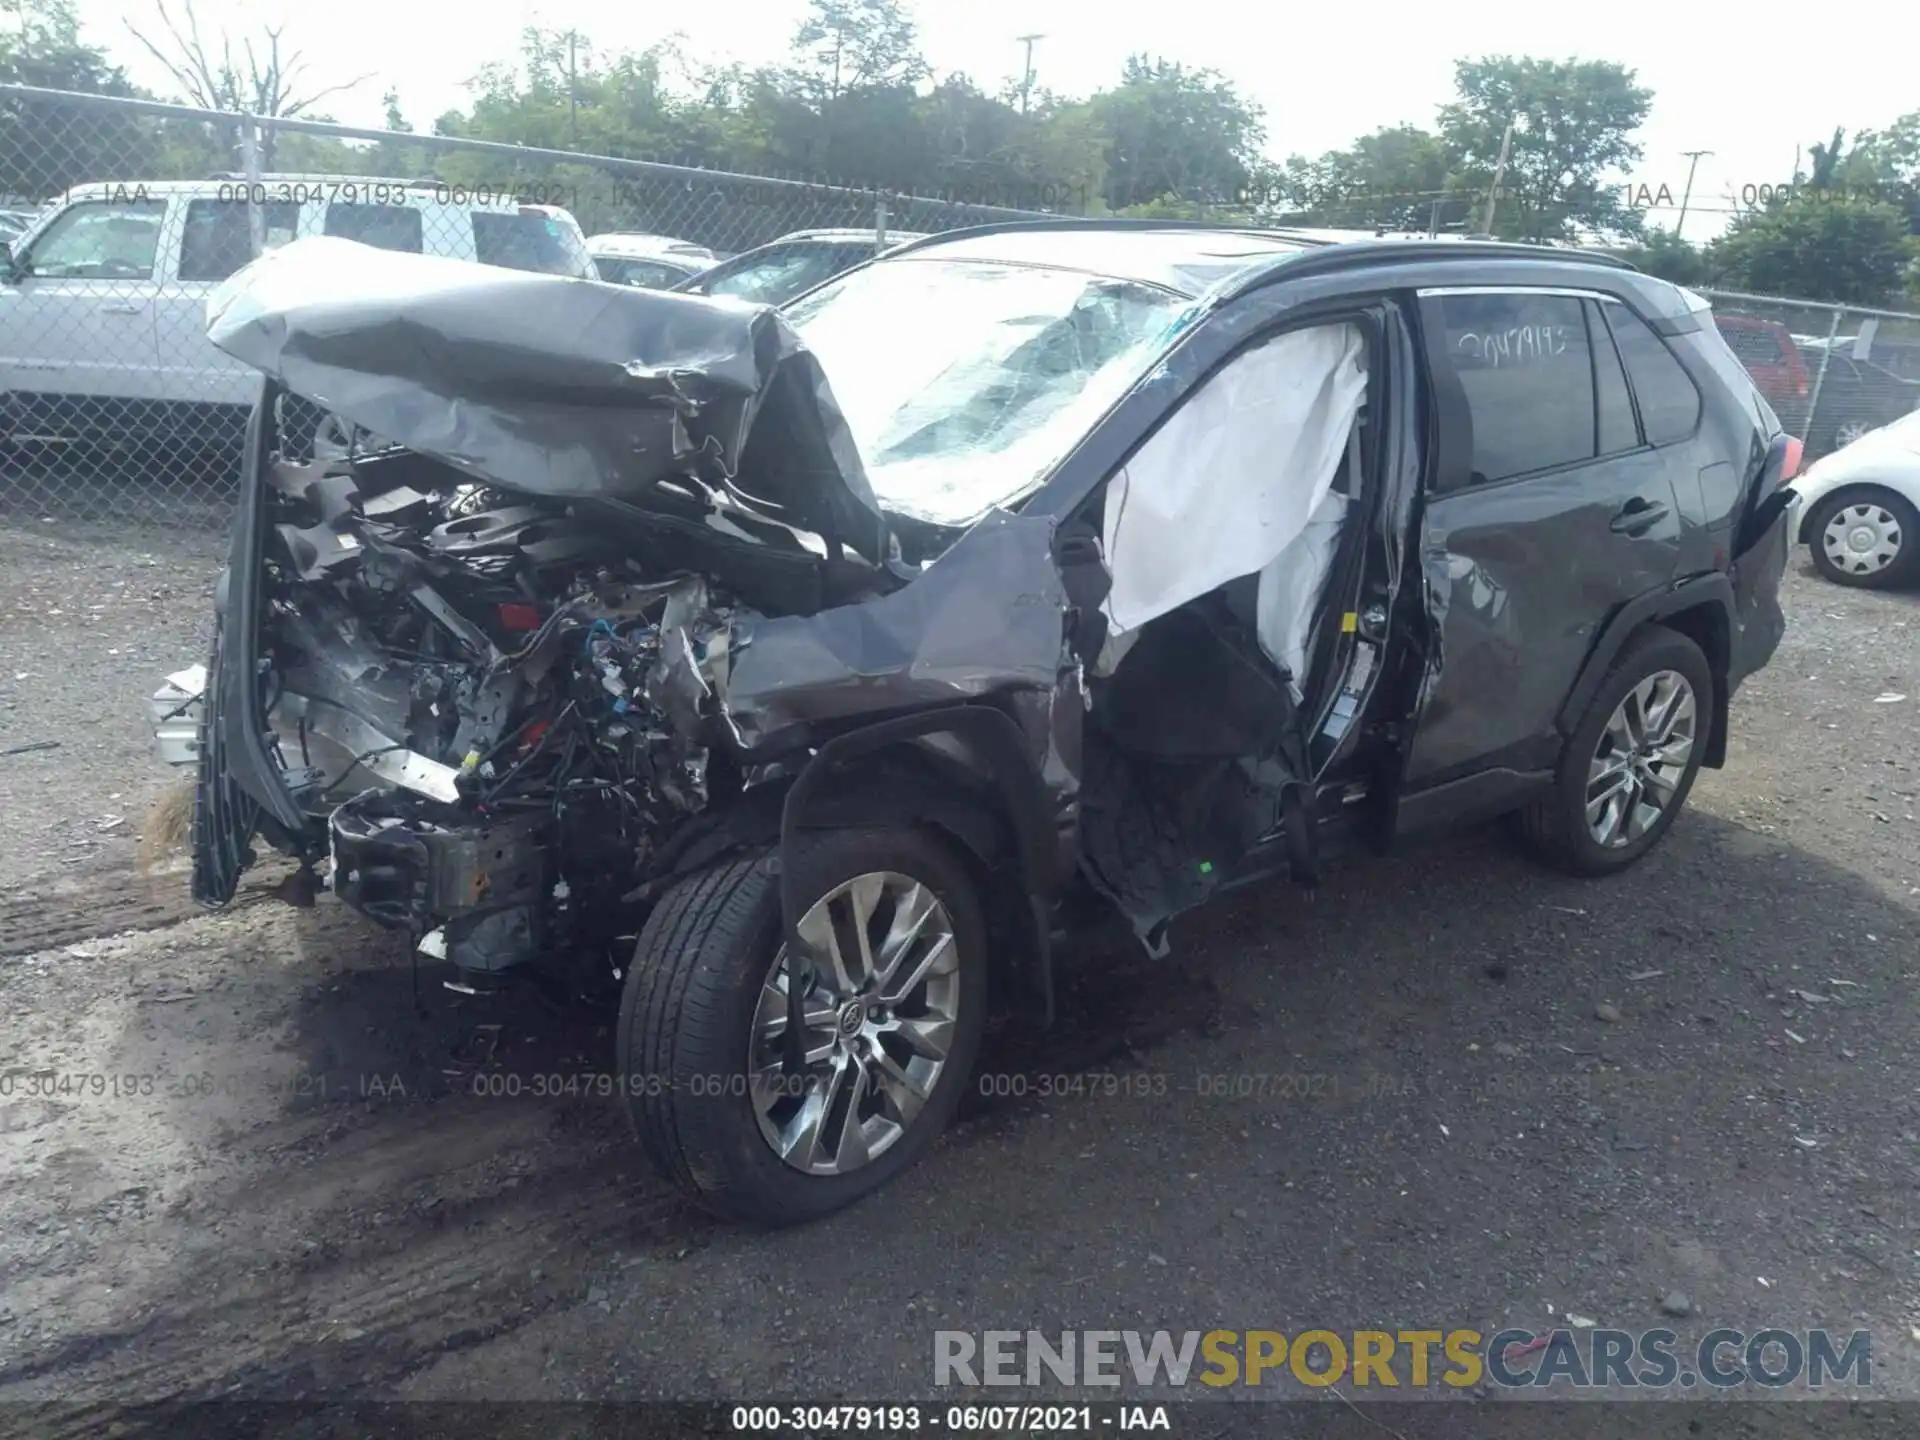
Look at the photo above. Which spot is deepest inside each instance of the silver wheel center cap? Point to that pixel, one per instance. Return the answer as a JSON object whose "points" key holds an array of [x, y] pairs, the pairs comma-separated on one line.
{"points": [[852, 1016], [1862, 538]]}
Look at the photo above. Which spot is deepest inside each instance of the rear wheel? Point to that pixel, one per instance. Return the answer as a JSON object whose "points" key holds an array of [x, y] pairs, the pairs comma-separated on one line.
{"points": [[1630, 762], [1865, 537], [891, 1024]]}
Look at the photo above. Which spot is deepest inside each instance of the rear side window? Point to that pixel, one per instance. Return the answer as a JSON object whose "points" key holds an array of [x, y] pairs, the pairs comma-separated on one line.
{"points": [[386, 227], [527, 242], [217, 240], [1669, 402], [1525, 365], [1618, 429]]}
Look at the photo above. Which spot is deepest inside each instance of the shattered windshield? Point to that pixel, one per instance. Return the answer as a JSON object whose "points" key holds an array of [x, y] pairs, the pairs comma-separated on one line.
{"points": [[964, 382]]}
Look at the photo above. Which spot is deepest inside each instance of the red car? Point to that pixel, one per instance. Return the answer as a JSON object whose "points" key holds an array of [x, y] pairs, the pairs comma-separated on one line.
{"points": [[1767, 350]]}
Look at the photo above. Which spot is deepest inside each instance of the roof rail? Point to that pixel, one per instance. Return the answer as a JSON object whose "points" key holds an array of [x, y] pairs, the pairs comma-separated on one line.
{"points": [[1080, 222], [1342, 257], [425, 182]]}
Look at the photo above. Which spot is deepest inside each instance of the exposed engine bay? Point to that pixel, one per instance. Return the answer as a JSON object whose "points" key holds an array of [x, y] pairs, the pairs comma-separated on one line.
{"points": [[497, 705]]}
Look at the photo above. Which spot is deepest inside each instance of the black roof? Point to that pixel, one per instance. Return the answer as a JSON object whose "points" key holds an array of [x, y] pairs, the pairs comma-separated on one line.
{"points": [[1190, 257]]}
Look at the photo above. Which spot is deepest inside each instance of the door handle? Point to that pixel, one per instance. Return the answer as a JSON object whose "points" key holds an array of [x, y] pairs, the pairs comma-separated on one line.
{"points": [[121, 307], [1637, 516]]}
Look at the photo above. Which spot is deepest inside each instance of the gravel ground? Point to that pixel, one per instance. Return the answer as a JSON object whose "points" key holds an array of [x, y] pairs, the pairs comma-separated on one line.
{"points": [[91, 621], [1483, 1096]]}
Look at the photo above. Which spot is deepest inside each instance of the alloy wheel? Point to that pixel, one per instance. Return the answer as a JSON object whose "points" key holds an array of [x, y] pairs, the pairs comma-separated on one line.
{"points": [[879, 1018], [1641, 757], [1862, 539]]}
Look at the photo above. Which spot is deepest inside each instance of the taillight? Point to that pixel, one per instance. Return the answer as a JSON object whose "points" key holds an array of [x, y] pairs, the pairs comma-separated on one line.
{"points": [[519, 617], [1791, 467]]}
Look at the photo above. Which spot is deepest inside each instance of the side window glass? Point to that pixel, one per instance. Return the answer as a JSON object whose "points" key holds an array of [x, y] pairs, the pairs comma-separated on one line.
{"points": [[217, 240], [100, 241], [386, 227], [769, 280], [1524, 363], [1618, 429], [643, 274], [1669, 402]]}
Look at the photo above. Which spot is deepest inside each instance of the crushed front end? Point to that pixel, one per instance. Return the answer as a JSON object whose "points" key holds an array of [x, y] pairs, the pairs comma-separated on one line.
{"points": [[595, 577], [473, 714], [461, 672]]}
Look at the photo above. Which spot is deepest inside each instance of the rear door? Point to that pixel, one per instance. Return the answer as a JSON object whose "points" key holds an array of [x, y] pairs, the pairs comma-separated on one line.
{"points": [[209, 240], [1546, 511]]}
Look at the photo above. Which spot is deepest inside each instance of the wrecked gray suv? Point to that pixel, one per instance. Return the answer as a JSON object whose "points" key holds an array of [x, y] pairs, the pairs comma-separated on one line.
{"points": [[807, 669]]}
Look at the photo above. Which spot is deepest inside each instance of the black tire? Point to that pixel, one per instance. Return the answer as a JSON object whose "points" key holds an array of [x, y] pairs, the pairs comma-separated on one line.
{"points": [[687, 1014], [1900, 571], [1555, 826]]}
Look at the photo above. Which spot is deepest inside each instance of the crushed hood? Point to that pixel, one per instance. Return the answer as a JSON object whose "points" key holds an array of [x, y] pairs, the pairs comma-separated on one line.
{"points": [[572, 389]]}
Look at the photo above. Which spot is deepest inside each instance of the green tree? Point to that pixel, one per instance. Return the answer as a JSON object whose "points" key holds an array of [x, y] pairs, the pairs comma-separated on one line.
{"points": [[47, 148], [1175, 131], [858, 44], [1398, 177], [1666, 254], [1819, 245], [1574, 124]]}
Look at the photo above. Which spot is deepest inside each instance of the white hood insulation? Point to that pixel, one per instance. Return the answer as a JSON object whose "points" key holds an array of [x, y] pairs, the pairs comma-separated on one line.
{"points": [[1239, 482]]}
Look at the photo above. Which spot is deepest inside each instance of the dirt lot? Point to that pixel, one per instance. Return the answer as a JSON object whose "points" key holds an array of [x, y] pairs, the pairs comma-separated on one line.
{"points": [[284, 1183]]}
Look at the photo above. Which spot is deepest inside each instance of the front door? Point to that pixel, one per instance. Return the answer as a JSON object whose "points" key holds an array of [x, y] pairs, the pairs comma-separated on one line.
{"points": [[77, 345], [1546, 511]]}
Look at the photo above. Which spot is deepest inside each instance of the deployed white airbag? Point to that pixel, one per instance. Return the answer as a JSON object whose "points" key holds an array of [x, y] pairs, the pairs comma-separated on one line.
{"points": [[1290, 587], [1233, 479]]}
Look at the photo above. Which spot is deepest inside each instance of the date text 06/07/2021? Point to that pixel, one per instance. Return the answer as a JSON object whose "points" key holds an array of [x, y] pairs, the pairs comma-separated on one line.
{"points": [[951, 1419]]}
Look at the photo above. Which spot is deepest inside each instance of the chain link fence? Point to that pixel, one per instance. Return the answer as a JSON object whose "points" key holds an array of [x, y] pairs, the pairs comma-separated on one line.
{"points": [[1831, 372], [127, 215]]}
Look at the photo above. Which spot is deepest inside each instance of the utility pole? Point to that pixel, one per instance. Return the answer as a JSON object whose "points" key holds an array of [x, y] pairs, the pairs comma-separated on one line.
{"points": [[573, 109], [1693, 159], [1499, 174], [1026, 75]]}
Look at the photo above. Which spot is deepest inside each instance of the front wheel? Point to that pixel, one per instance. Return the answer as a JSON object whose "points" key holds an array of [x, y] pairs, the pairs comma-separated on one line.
{"points": [[891, 1020], [1630, 762]]}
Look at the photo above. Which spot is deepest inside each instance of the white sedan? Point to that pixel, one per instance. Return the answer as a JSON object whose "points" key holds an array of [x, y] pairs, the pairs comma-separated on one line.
{"points": [[1858, 509]]}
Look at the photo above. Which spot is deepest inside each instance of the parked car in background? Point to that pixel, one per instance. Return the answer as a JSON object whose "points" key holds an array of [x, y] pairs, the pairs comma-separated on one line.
{"points": [[1767, 349], [103, 299], [775, 273], [1857, 510], [652, 262], [1865, 384], [13, 223], [807, 680]]}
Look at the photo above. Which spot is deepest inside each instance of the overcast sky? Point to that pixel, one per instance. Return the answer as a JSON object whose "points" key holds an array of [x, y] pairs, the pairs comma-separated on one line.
{"points": [[1720, 83]]}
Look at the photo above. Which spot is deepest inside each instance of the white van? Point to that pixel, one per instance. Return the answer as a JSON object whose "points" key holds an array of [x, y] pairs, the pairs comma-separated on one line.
{"points": [[103, 298]]}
